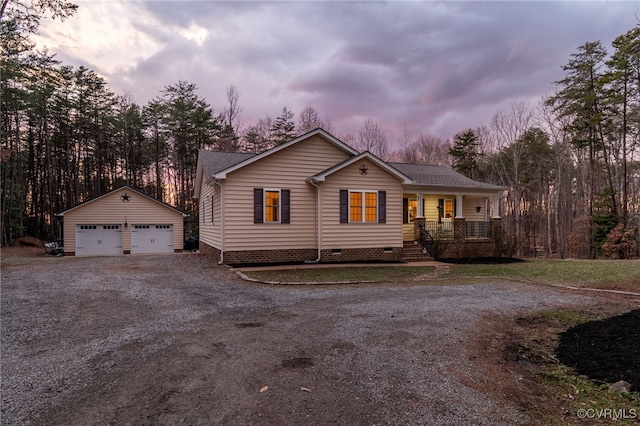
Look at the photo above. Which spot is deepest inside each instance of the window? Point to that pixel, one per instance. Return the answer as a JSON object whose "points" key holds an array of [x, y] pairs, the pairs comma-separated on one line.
{"points": [[409, 209], [362, 206], [446, 209], [370, 206], [355, 207], [271, 205]]}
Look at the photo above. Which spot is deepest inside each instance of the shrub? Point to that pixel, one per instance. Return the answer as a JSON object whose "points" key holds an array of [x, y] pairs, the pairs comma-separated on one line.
{"points": [[621, 242]]}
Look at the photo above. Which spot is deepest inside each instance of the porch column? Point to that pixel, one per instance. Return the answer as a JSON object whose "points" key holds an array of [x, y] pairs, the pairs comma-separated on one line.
{"points": [[460, 235], [496, 207], [496, 235], [458, 206], [418, 224], [420, 212]]}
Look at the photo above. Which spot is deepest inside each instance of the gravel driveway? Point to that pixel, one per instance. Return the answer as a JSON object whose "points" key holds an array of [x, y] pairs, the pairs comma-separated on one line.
{"points": [[175, 339]]}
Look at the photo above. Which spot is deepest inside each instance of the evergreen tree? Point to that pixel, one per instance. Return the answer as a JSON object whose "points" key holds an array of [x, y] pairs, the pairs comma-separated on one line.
{"points": [[466, 153], [283, 129], [623, 82]]}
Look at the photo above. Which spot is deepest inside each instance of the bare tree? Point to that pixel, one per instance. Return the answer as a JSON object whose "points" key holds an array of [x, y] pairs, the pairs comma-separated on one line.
{"points": [[508, 127], [308, 120], [232, 111], [562, 196], [433, 150], [372, 138]]}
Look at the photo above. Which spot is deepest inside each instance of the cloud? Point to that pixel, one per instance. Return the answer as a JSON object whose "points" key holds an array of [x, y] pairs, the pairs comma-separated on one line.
{"points": [[433, 67]]}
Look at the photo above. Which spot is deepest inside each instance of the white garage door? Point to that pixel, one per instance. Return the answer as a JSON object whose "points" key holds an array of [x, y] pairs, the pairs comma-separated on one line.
{"points": [[151, 239], [98, 240]]}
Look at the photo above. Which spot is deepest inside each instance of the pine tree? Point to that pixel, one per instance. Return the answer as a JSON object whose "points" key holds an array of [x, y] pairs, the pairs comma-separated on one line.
{"points": [[283, 128], [466, 152]]}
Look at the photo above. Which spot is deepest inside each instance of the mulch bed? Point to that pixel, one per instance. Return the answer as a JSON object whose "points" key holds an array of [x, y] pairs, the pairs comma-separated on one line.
{"points": [[607, 350]]}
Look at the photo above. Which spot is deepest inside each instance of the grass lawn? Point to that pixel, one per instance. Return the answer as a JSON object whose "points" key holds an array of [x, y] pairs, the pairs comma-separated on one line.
{"points": [[340, 274], [604, 274]]}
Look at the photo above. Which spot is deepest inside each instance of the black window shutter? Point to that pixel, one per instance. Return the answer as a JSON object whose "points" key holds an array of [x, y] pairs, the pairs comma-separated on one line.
{"points": [[344, 206], [382, 206], [405, 210], [285, 194], [440, 209], [257, 205]]}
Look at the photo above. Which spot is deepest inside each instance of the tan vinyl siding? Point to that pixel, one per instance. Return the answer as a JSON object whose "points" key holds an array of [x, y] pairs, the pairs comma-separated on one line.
{"points": [[336, 235], [286, 169], [111, 210], [469, 209], [408, 231], [209, 230], [431, 206]]}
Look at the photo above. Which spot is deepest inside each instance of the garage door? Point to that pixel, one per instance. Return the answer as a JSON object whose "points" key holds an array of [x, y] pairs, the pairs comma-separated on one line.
{"points": [[94, 240], [151, 239]]}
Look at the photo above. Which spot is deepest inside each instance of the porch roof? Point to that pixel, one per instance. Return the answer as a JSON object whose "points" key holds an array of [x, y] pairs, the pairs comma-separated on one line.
{"points": [[442, 176]]}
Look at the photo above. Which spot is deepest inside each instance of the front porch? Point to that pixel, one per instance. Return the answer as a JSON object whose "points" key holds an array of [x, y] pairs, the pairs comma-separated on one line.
{"points": [[445, 231], [450, 226]]}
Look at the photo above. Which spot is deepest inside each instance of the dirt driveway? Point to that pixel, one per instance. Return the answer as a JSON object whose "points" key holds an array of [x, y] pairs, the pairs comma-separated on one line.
{"points": [[176, 339]]}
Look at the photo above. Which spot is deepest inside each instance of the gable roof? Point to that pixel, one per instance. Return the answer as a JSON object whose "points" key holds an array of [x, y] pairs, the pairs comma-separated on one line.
{"points": [[222, 174], [216, 161], [320, 177], [442, 176], [125, 187]]}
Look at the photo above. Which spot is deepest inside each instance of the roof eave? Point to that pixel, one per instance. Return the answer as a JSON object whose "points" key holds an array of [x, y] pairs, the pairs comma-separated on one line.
{"points": [[222, 174], [321, 177], [454, 188]]}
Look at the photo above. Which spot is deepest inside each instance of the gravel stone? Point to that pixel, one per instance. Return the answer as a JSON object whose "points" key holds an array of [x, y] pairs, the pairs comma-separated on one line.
{"points": [[177, 339]]}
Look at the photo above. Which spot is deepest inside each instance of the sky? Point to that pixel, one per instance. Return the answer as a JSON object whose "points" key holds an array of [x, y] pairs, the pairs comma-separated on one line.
{"points": [[423, 67]]}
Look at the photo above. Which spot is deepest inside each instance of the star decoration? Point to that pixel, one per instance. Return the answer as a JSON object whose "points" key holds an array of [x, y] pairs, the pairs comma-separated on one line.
{"points": [[364, 170], [125, 197]]}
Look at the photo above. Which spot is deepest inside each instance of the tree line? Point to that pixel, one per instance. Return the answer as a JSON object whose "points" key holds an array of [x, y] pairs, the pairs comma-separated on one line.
{"points": [[571, 164]]}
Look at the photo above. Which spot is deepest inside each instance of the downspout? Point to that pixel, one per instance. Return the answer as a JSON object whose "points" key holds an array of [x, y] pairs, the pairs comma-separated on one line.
{"points": [[221, 223], [319, 217]]}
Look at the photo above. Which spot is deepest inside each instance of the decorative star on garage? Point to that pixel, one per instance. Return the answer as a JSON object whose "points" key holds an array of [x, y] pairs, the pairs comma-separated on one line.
{"points": [[125, 197], [364, 170]]}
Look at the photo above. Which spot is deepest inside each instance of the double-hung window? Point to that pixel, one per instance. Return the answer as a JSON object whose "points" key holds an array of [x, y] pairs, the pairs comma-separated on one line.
{"points": [[362, 206], [271, 205]]}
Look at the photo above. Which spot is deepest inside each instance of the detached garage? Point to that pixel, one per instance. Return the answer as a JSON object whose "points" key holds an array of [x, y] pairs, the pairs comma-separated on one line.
{"points": [[123, 221]]}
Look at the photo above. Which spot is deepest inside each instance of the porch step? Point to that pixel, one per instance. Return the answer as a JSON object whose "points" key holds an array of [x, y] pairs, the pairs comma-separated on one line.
{"points": [[413, 253]]}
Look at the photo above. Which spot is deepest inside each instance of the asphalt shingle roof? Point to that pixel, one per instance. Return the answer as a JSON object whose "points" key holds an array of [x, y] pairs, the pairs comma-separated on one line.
{"points": [[430, 175], [216, 161], [422, 174]]}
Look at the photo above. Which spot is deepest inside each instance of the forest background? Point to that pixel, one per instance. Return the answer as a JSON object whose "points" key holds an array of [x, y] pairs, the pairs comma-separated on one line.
{"points": [[571, 163]]}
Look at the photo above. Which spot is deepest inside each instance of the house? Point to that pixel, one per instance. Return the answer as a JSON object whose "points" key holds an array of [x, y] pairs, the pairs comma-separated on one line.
{"points": [[316, 199], [123, 221]]}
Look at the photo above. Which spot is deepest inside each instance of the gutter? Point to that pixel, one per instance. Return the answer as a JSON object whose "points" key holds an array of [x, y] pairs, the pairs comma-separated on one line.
{"points": [[216, 182], [313, 181]]}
